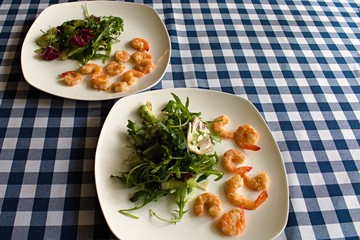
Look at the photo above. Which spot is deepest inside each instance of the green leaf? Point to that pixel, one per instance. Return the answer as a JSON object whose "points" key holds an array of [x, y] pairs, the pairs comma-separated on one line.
{"points": [[161, 164]]}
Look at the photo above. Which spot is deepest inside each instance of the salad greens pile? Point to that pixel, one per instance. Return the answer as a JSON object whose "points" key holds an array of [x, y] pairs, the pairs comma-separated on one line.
{"points": [[81, 39], [171, 156]]}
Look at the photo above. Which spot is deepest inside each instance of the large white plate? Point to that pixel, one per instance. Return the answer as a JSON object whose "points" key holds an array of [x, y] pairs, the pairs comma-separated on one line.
{"points": [[139, 21], [266, 222]]}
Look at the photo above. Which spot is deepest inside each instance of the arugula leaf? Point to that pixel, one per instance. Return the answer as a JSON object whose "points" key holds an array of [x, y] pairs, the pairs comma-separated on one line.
{"points": [[161, 163], [83, 40]]}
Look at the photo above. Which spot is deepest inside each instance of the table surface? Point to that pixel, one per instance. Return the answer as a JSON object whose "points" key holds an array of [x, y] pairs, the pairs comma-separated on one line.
{"points": [[296, 61]]}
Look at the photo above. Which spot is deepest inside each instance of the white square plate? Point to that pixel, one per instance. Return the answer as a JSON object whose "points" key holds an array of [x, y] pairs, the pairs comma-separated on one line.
{"points": [[139, 21], [266, 222]]}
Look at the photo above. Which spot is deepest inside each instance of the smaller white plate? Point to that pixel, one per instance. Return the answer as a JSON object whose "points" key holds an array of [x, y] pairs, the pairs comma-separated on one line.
{"points": [[139, 21], [266, 222]]}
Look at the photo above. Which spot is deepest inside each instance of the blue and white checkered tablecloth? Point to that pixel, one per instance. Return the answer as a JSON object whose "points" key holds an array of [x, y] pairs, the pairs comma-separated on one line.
{"points": [[297, 61]]}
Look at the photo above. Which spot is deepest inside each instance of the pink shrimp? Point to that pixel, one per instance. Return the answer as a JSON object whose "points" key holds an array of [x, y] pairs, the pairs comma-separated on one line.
{"points": [[101, 82], [120, 87], [209, 200], [235, 198], [246, 137], [114, 68], [71, 78], [139, 57], [91, 68], [233, 156], [140, 44], [218, 127], [257, 183], [233, 222], [131, 76], [145, 66], [122, 56]]}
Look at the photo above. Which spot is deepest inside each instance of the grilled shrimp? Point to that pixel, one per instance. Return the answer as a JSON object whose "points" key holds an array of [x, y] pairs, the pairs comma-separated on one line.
{"points": [[257, 183], [232, 222], [233, 156], [145, 66], [91, 69], [71, 78], [139, 57], [100, 82], [237, 199], [122, 56], [140, 44], [246, 137], [131, 76], [119, 86], [218, 127], [209, 200], [115, 68]]}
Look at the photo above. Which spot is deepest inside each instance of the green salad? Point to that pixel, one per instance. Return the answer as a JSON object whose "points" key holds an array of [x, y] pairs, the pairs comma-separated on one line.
{"points": [[81, 39], [172, 154]]}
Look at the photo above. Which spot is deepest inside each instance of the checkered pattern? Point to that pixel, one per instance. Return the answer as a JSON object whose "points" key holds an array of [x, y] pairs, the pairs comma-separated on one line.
{"points": [[297, 61]]}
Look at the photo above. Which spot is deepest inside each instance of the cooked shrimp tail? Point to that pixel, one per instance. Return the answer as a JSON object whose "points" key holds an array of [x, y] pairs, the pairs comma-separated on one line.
{"points": [[243, 170], [261, 198], [251, 147]]}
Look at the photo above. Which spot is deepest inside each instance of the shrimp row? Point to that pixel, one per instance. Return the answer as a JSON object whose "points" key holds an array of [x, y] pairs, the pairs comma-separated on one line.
{"points": [[233, 222], [245, 135], [142, 60], [100, 78]]}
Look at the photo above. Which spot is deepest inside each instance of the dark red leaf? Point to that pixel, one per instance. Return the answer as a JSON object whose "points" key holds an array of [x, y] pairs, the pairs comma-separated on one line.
{"points": [[82, 37], [50, 53]]}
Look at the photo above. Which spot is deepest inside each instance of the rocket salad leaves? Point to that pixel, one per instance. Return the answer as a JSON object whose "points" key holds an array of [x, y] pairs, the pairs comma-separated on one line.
{"points": [[162, 162], [81, 39]]}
